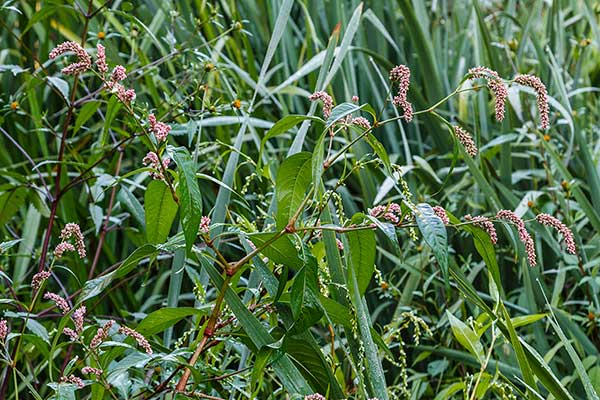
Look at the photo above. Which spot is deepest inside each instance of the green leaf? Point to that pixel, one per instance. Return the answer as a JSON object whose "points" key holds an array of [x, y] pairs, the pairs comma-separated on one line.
{"points": [[85, 113], [189, 195], [304, 298], [284, 125], [280, 251], [293, 179], [10, 202], [434, 233], [164, 318], [466, 337], [362, 248], [160, 211], [61, 85]]}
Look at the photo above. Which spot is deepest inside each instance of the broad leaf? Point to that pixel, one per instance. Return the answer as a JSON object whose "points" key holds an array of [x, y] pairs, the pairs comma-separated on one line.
{"points": [[466, 337], [160, 211], [189, 196], [304, 298], [280, 251], [10, 202], [362, 247], [434, 233], [293, 179], [164, 318]]}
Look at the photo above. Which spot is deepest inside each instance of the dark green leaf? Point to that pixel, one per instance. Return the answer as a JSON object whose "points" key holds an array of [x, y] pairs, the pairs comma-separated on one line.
{"points": [[160, 211]]}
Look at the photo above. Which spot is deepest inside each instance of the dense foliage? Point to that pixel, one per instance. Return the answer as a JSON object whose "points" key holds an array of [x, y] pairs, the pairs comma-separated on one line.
{"points": [[299, 199]]}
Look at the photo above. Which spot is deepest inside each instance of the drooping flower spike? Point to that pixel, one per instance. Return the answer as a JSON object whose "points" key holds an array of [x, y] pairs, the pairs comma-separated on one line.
{"points": [[549, 220], [467, 141], [152, 160], [72, 230], [496, 86], [523, 234], [485, 224], [541, 96], [401, 75], [139, 338], [84, 61], [327, 102]]}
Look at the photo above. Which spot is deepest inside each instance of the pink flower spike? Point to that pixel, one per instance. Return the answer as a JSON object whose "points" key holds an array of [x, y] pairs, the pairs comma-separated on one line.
{"points": [[339, 244], [39, 278], [78, 318], [62, 248], [91, 371], [160, 129], [205, 225], [74, 380], [59, 301], [101, 59], [101, 334], [401, 74], [362, 122], [118, 74], [327, 102], [84, 61], [153, 161], [140, 339], [440, 212], [496, 86], [523, 234], [541, 98], [355, 99], [549, 220], [315, 396], [485, 224], [71, 333], [3, 330], [72, 230], [467, 141]]}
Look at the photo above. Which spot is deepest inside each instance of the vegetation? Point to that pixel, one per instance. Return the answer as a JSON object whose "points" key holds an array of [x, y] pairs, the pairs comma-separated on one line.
{"points": [[299, 199]]}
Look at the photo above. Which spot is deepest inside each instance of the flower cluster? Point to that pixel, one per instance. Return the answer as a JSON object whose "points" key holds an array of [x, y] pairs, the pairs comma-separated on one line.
{"points": [[59, 301], [71, 230], [101, 59], [327, 102], [91, 371], [523, 234], [3, 330], [101, 334], [140, 339], [160, 129], [205, 224], [496, 86], [401, 75], [361, 121], [392, 212], [542, 96], [315, 396], [485, 224], [74, 380], [38, 279], [441, 213], [84, 61], [548, 220], [152, 160], [467, 141]]}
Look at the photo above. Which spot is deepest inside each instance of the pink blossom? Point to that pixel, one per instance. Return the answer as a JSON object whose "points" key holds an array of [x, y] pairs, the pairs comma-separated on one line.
{"points": [[39, 278], [74, 380], [485, 224], [62, 248], [205, 225], [391, 212], [118, 74], [91, 371], [78, 318], [141, 340], [496, 86], [542, 96], [401, 75], [339, 244], [548, 220], [362, 122], [523, 234], [72, 230], [160, 129], [467, 141], [152, 160], [441, 213], [3, 330], [355, 99], [71, 333], [327, 102], [84, 61], [315, 396], [101, 59], [101, 334], [59, 301]]}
